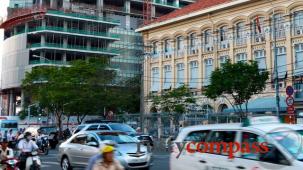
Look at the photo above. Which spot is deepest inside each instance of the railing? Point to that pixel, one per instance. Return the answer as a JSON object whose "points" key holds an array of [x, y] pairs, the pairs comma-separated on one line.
{"points": [[75, 47], [223, 44], [84, 16], [208, 48], [166, 3], [55, 62], [280, 33], [84, 32], [240, 41], [259, 38], [193, 50]]}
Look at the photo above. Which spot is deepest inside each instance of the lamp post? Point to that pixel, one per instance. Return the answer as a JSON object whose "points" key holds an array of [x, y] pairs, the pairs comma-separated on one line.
{"points": [[29, 112]]}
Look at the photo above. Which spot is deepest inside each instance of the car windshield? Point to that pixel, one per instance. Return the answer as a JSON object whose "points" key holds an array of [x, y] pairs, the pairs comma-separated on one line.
{"points": [[122, 127], [79, 128], [48, 129], [292, 141], [118, 138]]}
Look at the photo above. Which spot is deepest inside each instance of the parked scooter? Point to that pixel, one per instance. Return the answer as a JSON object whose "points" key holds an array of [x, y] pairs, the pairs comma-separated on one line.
{"points": [[33, 161], [10, 164], [43, 144]]}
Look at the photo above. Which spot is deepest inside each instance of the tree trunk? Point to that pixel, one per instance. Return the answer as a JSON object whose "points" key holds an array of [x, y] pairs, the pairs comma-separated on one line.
{"points": [[67, 124]]}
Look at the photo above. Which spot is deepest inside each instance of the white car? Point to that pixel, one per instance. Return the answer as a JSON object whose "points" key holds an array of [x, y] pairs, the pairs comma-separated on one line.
{"points": [[262, 143], [105, 127]]}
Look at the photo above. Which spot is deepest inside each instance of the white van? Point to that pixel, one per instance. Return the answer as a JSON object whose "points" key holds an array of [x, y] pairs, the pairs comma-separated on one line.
{"points": [[284, 146]]}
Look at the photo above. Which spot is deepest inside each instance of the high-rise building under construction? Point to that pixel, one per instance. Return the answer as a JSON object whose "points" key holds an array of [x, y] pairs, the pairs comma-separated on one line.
{"points": [[55, 32]]}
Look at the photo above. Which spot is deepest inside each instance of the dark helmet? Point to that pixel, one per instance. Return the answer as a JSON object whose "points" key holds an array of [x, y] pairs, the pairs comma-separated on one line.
{"points": [[27, 134], [4, 140]]}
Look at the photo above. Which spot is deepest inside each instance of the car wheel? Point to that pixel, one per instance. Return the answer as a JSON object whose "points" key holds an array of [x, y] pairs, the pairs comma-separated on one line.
{"points": [[65, 165]]}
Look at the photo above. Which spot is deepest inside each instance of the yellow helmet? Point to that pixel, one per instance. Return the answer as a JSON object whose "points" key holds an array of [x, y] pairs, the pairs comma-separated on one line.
{"points": [[107, 148]]}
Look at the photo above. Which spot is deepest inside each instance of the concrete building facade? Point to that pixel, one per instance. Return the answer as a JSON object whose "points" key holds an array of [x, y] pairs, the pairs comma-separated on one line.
{"points": [[185, 46]]}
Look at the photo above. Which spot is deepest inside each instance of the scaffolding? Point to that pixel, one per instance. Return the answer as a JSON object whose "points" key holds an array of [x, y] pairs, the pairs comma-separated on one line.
{"points": [[147, 11]]}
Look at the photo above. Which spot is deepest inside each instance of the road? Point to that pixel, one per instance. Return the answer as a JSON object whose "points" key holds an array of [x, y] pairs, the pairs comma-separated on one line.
{"points": [[49, 162]]}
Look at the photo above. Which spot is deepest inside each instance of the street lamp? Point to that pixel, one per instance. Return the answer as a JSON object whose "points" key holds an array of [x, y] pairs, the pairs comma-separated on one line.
{"points": [[29, 112]]}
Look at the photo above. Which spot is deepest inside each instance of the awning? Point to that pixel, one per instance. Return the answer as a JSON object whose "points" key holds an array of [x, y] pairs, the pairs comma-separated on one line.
{"points": [[266, 104]]}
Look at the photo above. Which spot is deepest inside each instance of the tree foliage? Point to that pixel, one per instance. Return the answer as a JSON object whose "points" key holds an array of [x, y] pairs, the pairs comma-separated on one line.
{"points": [[239, 80], [174, 101], [83, 88]]}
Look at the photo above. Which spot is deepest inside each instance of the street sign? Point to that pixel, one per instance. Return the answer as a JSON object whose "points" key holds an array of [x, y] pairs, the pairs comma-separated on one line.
{"points": [[289, 90], [290, 109], [290, 101], [291, 113]]}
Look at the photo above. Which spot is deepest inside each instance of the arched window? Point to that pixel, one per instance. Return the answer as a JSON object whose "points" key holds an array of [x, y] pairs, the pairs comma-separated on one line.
{"points": [[194, 74], [240, 33], [192, 43], [279, 21], [298, 23], [258, 29], [155, 49], [180, 46], [223, 41], [207, 41], [208, 69], [167, 77]]}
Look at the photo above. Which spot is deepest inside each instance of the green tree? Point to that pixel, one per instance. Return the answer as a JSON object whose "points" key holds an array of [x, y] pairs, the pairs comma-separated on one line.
{"points": [[79, 89], [240, 81], [174, 102]]}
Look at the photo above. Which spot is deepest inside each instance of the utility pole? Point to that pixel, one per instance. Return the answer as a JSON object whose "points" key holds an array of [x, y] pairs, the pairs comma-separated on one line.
{"points": [[276, 66]]}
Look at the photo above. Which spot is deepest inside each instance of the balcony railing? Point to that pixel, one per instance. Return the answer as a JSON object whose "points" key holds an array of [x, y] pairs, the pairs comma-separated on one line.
{"points": [[259, 38], [76, 31], [54, 62], [168, 54], [223, 44], [193, 50], [166, 3], [208, 48], [75, 47], [180, 53], [240, 41], [84, 16], [280, 33]]}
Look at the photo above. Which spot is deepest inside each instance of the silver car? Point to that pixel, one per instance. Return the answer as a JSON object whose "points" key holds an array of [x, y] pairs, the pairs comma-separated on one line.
{"points": [[76, 151]]}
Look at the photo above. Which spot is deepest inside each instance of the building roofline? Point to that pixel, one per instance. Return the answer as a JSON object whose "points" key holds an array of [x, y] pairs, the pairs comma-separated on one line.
{"points": [[193, 14]]}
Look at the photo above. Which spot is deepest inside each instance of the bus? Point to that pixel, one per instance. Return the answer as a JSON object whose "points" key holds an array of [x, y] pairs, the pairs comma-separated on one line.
{"points": [[6, 125]]}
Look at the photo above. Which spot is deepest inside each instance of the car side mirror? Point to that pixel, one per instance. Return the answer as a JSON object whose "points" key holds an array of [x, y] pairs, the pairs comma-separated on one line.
{"points": [[93, 144]]}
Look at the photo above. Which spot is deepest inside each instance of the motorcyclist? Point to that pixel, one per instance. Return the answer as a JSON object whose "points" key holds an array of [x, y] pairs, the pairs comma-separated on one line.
{"points": [[108, 162], [26, 146], [5, 151]]}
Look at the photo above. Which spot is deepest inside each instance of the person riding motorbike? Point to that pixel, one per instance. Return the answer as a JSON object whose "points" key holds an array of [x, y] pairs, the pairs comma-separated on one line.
{"points": [[26, 146], [108, 162], [5, 152]]}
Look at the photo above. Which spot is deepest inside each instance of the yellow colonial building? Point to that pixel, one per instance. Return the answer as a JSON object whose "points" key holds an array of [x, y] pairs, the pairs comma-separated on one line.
{"points": [[185, 46]]}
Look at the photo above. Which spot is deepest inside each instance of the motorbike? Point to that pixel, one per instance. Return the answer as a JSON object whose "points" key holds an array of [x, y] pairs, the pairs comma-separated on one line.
{"points": [[43, 144], [33, 161], [10, 164]]}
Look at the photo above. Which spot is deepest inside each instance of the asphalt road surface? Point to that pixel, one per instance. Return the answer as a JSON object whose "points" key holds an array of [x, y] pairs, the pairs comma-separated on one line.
{"points": [[49, 162]]}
